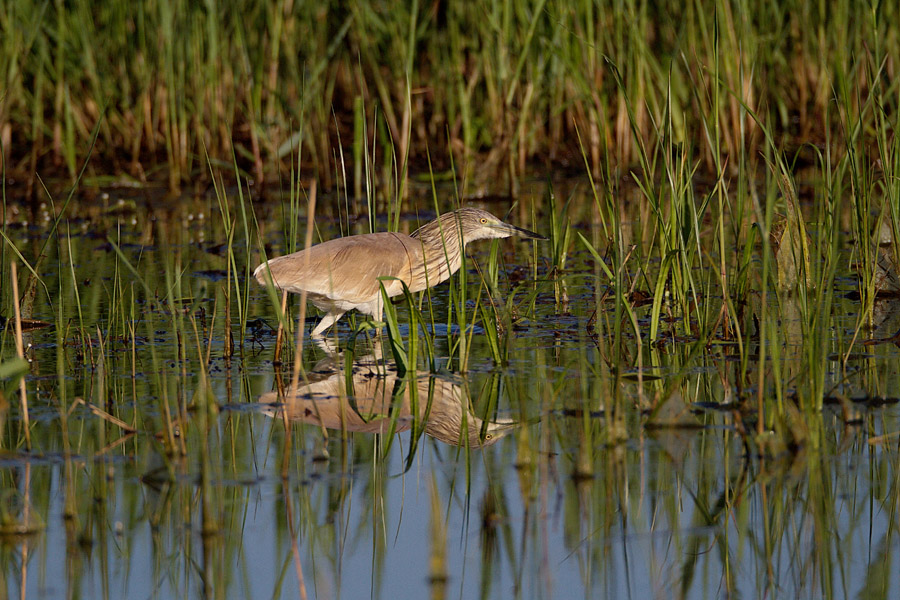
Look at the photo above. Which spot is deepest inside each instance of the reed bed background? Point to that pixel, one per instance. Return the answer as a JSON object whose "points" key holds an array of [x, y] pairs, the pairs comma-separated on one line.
{"points": [[498, 86]]}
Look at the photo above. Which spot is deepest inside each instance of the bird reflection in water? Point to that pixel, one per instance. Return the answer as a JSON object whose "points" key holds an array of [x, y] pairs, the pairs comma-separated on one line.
{"points": [[365, 401]]}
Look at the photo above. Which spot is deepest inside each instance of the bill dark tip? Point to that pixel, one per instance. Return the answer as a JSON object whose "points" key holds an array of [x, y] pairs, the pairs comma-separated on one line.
{"points": [[527, 234]]}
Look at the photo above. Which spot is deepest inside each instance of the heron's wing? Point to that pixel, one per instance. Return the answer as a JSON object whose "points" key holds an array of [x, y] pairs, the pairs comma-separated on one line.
{"points": [[347, 269]]}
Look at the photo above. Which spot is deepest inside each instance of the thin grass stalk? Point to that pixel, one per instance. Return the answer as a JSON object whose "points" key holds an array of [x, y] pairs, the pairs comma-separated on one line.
{"points": [[20, 352], [229, 337], [133, 339], [560, 240], [395, 339], [229, 227], [85, 338], [301, 328], [340, 177], [766, 327], [172, 303], [359, 146], [392, 176], [206, 412], [212, 329], [406, 124], [279, 334], [457, 296], [243, 294], [70, 496], [417, 319], [425, 296], [370, 176]]}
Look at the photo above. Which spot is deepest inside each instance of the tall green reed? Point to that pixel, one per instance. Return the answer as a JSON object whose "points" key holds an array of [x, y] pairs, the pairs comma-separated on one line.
{"points": [[506, 83]]}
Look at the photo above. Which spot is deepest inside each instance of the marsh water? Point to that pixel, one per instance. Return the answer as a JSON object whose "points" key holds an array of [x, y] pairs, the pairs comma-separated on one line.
{"points": [[558, 465]]}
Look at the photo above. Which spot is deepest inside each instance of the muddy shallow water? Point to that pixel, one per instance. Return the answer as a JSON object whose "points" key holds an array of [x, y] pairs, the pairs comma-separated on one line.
{"points": [[160, 467]]}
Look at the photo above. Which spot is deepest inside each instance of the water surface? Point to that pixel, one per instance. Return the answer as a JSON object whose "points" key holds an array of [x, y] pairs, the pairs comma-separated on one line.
{"points": [[159, 467]]}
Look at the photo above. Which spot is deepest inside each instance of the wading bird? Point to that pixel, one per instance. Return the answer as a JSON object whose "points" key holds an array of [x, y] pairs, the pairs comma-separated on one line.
{"points": [[343, 274]]}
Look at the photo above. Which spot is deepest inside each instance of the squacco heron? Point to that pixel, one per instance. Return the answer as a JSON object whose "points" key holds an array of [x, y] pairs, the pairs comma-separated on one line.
{"points": [[344, 274]]}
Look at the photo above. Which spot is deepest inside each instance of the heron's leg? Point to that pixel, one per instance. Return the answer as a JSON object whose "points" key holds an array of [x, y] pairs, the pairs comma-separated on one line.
{"points": [[378, 313], [327, 321]]}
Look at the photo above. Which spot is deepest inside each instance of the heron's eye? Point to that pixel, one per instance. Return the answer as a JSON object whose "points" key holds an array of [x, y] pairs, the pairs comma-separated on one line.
{"points": [[484, 221]]}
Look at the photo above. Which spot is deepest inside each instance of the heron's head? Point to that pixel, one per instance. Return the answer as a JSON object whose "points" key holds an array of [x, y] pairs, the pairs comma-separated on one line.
{"points": [[479, 224]]}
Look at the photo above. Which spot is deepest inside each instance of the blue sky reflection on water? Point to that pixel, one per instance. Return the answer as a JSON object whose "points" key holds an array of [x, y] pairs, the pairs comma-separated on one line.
{"points": [[643, 554], [567, 505]]}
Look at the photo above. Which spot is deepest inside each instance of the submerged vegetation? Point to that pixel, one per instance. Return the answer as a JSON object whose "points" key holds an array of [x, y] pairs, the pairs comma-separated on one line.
{"points": [[689, 389]]}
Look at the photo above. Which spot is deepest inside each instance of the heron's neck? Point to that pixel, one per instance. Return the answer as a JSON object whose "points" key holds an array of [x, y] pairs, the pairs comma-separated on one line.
{"points": [[443, 248]]}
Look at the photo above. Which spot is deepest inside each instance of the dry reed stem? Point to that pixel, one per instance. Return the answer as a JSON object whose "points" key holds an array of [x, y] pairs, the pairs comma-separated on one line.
{"points": [[106, 416], [280, 335]]}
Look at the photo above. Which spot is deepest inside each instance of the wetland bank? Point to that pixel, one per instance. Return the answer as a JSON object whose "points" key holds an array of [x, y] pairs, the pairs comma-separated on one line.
{"points": [[690, 390]]}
